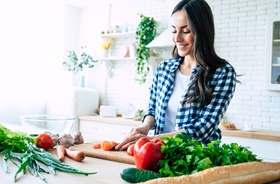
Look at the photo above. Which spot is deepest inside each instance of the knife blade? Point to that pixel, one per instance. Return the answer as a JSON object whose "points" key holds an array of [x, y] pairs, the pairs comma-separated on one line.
{"points": [[113, 148]]}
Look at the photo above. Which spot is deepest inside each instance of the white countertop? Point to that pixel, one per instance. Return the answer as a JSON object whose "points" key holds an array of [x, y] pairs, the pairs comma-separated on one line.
{"points": [[107, 171], [255, 134]]}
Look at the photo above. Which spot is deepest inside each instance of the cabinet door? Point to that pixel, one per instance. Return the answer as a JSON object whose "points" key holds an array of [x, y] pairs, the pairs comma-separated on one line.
{"points": [[264, 149], [99, 131], [273, 53]]}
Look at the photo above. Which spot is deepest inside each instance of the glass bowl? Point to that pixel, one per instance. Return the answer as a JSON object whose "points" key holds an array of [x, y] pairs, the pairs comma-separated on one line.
{"points": [[56, 124]]}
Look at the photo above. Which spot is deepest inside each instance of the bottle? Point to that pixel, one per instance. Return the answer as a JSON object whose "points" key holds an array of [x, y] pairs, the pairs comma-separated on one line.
{"points": [[83, 82]]}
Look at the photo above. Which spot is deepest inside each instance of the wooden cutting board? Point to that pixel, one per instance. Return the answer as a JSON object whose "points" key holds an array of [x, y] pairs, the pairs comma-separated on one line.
{"points": [[117, 156]]}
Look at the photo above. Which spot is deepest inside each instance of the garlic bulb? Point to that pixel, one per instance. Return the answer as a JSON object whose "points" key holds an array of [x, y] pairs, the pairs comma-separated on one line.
{"points": [[78, 138], [66, 140]]}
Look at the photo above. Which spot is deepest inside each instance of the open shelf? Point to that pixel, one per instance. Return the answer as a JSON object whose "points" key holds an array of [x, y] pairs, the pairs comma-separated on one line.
{"points": [[119, 35], [118, 59]]}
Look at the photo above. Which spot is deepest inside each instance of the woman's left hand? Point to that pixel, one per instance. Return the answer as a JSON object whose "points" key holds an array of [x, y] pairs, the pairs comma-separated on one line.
{"points": [[134, 135]]}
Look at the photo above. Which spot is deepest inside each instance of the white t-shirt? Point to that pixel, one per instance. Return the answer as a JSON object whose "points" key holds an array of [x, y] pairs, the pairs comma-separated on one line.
{"points": [[180, 84]]}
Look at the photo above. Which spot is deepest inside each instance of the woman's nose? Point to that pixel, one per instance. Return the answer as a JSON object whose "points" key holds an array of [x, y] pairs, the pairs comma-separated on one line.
{"points": [[177, 37]]}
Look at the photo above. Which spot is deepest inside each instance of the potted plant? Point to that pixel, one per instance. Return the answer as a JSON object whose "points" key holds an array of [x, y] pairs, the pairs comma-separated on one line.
{"points": [[75, 65], [145, 33]]}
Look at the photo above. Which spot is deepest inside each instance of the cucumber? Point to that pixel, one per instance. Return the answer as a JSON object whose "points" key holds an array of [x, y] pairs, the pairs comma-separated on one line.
{"points": [[135, 175]]}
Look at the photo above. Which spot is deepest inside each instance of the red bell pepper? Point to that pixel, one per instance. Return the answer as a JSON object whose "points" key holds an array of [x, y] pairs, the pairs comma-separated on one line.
{"points": [[147, 153]]}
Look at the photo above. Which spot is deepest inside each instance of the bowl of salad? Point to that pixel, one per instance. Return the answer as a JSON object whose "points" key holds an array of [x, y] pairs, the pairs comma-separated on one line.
{"points": [[56, 124]]}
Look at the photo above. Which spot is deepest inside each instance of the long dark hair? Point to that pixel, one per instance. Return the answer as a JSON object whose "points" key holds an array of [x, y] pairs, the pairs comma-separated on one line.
{"points": [[200, 19]]}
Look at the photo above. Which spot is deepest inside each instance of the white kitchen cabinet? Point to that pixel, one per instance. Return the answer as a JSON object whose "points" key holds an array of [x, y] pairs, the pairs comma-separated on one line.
{"points": [[273, 53], [99, 131], [264, 149]]}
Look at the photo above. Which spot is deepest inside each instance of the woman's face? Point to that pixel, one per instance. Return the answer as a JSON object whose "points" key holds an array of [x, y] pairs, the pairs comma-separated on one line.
{"points": [[182, 35]]}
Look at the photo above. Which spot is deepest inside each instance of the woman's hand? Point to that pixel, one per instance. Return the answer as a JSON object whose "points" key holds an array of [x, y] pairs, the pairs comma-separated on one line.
{"points": [[137, 133], [133, 136]]}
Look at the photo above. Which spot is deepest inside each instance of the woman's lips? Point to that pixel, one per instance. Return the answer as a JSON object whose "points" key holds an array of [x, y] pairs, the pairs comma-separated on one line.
{"points": [[181, 47]]}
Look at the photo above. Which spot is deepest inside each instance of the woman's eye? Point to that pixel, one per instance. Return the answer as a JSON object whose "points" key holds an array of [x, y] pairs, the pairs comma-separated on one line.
{"points": [[186, 32], [182, 31]]}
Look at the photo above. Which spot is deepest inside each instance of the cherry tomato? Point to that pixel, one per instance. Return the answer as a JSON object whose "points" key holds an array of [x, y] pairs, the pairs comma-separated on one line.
{"points": [[130, 150], [44, 141]]}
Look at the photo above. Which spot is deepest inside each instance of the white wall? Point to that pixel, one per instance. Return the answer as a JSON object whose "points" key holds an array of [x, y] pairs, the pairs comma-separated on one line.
{"points": [[240, 38], [31, 43]]}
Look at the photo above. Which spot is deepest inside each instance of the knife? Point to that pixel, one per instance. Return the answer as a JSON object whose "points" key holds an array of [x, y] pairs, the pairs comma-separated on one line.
{"points": [[113, 148]]}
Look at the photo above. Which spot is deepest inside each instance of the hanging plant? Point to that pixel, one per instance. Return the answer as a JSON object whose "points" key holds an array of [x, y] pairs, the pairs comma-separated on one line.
{"points": [[145, 33]]}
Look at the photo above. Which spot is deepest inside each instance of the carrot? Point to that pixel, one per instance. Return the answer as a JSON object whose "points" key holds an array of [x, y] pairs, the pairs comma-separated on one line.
{"points": [[75, 155], [113, 143], [60, 150], [96, 146], [107, 145]]}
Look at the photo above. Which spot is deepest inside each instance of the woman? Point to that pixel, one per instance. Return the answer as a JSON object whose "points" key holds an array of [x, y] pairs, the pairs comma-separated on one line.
{"points": [[191, 92]]}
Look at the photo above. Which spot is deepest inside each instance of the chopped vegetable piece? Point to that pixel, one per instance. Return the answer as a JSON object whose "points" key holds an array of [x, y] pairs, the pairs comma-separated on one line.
{"points": [[107, 145], [96, 146], [113, 144]]}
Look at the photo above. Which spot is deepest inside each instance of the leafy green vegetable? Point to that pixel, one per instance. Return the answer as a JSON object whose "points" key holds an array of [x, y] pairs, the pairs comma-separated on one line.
{"points": [[14, 140], [32, 160], [188, 156]]}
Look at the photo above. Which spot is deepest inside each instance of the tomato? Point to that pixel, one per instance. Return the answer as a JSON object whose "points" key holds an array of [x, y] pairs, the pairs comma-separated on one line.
{"points": [[130, 150], [44, 141]]}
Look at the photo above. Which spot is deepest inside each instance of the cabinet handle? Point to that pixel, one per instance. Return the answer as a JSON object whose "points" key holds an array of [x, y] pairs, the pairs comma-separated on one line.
{"points": [[248, 147]]}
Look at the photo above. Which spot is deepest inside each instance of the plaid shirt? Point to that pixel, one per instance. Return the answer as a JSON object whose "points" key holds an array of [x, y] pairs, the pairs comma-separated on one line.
{"points": [[199, 123]]}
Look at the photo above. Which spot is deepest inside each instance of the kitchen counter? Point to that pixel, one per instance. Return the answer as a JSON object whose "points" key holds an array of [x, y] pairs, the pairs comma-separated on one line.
{"points": [[116, 120], [107, 172], [255, 134]]}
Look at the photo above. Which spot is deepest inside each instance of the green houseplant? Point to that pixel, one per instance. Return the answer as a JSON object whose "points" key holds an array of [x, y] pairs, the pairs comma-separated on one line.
{"points": [[145, 33], [75, 65]]}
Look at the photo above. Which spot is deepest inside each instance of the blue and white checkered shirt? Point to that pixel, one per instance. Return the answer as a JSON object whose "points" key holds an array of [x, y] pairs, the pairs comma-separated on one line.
{"points": [[199, 123]]}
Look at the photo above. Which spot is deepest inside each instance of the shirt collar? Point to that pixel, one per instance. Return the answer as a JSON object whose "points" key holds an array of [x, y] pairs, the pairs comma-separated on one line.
{"points": [[195, 69], [176, 63]]}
